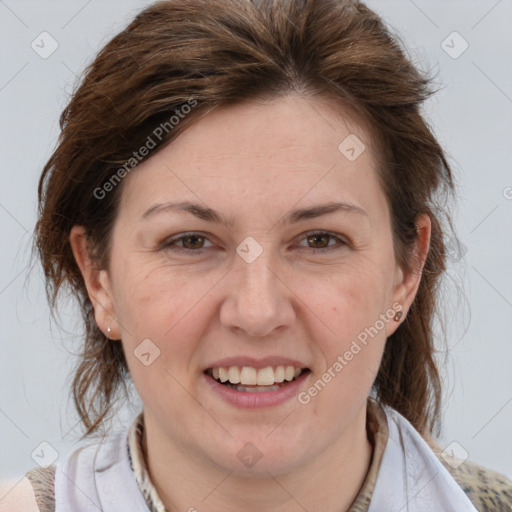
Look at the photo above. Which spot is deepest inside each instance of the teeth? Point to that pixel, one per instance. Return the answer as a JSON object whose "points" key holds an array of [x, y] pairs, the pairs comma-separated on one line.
{"points": [[254, 389], [223, 374], [289, 373], [234, 375], [249, 376], [279, 374], [265, 376]]}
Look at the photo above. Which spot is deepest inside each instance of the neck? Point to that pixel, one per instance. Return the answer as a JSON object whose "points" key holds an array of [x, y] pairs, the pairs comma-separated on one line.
{"points": [[330, 481]]}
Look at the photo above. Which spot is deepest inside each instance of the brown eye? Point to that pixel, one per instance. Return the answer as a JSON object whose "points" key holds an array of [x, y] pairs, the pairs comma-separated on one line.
{"points": [[320, 241], [192, 243]]}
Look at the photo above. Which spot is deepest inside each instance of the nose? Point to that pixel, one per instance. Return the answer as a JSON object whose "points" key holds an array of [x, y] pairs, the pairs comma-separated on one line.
{"points": [[259, 300]]}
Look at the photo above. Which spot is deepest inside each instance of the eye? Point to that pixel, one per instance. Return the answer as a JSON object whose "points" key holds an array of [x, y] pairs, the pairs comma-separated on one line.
{"points": [[321, 241], [191, 242]]}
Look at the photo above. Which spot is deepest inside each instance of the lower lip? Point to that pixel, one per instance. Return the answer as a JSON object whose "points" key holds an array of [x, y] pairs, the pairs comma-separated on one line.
{"points": [[255, 399]]}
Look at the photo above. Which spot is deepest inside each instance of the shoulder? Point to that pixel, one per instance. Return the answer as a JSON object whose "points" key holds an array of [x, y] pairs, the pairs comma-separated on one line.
{"points": [[17, 495], [34, 492], [488, 490]]}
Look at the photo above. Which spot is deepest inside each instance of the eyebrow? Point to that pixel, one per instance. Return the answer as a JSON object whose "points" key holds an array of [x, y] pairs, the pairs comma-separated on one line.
{"points": [[293, 217]]}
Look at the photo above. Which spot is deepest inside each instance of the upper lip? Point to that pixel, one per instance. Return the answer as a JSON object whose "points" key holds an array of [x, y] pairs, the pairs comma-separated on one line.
{"points": [[257, 363]]}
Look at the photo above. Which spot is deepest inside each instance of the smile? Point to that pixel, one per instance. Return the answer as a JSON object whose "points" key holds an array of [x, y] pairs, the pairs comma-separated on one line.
{"points": [[251, 387]]}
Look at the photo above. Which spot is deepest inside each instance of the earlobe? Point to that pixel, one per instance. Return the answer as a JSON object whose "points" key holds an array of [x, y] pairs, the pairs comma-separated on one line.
{"points": [[407, 283], [97, 283]]}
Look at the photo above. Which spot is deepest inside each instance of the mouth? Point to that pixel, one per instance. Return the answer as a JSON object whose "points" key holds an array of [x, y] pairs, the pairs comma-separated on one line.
{"points": [[253, 380]]}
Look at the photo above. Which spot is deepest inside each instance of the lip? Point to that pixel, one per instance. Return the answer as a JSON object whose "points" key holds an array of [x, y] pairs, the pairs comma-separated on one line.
{"points": [[256, 363], [253, 400]]}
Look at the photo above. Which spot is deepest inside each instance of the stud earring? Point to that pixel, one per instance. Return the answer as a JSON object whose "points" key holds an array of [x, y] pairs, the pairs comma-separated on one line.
{"points": [[108, 331], [397, 316]]}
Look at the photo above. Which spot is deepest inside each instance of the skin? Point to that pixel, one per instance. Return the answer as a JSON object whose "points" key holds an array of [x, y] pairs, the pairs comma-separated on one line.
{"points": [[254, 162]]}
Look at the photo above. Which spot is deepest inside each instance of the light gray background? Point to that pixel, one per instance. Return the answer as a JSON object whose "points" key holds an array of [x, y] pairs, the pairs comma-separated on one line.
{"points": [[472, 117]]}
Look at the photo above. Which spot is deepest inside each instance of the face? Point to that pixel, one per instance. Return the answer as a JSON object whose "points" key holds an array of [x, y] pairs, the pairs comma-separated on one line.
{"points": [[260, 283]]}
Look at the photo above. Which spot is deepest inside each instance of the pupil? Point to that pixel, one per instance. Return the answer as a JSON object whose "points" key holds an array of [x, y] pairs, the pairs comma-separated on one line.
{"points": [[192, 238], [316, 237]]}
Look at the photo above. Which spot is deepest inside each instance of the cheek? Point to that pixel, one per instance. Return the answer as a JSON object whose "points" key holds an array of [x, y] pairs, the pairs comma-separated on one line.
{"points": [[151, 297], [158, 312], [356, 296], [167, 306], [357, 311]]}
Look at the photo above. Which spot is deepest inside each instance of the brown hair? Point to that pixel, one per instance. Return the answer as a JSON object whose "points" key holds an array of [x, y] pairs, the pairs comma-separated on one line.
{"points": [[213, 53]]}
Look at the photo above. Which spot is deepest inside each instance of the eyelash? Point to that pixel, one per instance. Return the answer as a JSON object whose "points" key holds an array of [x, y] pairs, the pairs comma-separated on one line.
{"points": [[167, 245]]}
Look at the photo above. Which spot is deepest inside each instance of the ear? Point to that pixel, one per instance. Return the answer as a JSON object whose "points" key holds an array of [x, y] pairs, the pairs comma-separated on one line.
{"points": [[97, 282], [407, 283]]}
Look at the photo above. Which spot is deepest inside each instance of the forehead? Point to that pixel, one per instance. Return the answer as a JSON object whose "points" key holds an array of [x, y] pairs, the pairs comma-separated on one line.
{"points": [[292, 127], [288, 149]]}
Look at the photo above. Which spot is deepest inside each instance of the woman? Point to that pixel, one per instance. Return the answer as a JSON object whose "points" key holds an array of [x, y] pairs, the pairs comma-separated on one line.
{"points": [[243, 200]]}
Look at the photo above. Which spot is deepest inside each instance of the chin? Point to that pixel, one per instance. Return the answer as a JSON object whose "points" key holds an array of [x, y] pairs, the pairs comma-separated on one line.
{"points": [[256, 454]]}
